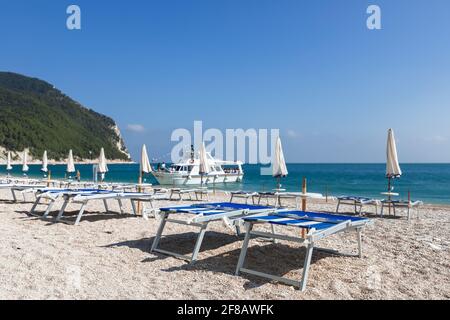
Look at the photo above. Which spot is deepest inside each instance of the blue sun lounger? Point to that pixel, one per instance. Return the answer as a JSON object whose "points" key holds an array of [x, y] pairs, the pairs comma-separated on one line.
{"points": [[200, 216], [316, 225]]}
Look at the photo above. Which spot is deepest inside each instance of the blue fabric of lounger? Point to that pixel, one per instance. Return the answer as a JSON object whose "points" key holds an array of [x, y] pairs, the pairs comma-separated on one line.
{"points": [[307, 220], [213, 208]]}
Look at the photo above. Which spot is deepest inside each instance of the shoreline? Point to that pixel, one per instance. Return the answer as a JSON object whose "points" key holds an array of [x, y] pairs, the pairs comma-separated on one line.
{"points": [[427, 204]]}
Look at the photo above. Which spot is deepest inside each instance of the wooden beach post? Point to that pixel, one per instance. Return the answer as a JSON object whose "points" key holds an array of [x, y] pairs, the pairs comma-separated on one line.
{"points": [[49, 178], [304, 188]]}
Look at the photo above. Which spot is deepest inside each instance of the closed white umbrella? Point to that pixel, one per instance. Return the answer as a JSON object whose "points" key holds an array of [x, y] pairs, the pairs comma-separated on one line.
{"points": [[144, 167], [279, 168], [70, 163], [102, 165], [392, 166], [145, 163], [204, 168], [44, 162], [25, 167], [8, 162]]}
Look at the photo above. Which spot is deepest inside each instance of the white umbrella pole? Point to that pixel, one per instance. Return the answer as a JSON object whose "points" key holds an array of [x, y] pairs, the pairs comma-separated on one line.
{"points": [[139, 190], [389, 194]]}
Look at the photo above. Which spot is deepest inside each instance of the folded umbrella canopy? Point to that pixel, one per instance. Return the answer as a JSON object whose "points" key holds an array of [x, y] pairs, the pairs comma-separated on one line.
{"points": [[102, 165], [204, 167], [25, 167], [279, 168], [8, 162], [145, 163], [70, 163], [392, 166], [44, 162]]}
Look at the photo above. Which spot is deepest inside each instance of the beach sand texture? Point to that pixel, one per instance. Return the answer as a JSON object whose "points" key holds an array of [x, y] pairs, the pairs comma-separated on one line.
{"points": [[107, 257]]}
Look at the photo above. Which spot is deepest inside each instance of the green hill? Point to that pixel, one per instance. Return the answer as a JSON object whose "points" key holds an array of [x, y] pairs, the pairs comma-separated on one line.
{"points": [[36, 115]]}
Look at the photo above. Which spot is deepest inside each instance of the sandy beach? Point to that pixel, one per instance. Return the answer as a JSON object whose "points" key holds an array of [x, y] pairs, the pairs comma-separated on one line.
{"points": [[107, 257]]}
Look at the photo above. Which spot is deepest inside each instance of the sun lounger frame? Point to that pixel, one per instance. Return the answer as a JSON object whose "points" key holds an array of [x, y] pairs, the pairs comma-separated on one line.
{"points": [[410, 205], [357, 202], [83, 197], [309, 241], [244, 195], [231, 218]]}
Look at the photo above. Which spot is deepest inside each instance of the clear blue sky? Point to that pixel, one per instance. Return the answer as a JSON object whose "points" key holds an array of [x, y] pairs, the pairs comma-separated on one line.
{"points": [[310, 68]]}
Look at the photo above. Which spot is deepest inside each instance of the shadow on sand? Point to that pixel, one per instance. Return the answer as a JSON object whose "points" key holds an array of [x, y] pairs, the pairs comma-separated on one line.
{"points": [[264, 256]]}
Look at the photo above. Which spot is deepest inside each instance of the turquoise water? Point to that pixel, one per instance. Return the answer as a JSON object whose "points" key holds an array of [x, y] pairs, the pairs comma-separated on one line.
{"points": [[427, 182]]}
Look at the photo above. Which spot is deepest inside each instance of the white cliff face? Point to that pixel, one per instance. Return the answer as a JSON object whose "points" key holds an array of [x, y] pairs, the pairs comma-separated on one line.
{"points": [[120, 143], [16, 156]]}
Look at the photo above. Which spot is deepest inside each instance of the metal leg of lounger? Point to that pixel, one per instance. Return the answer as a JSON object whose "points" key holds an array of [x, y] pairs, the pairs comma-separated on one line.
{"points": [[337, 207], [14, 195], [159, 232], [231, 198], [80, 213], [133, 206], [238, 230], [61, 211], [198, 243], [106, 205], [248, 227], [272, 227], [306, 264], [49, 208], [119, 201], [359, 235], [34, 206]]}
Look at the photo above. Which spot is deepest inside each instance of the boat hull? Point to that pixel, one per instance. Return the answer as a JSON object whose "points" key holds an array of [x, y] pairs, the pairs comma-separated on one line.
{"points": [[165, 178]]}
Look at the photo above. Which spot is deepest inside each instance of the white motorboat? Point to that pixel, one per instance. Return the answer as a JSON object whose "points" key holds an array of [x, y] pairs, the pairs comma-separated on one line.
{"points": [[186, 172]]}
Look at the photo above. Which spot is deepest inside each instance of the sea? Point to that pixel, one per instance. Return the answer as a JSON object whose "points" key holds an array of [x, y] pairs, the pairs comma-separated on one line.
{"points": [[427, 182]]}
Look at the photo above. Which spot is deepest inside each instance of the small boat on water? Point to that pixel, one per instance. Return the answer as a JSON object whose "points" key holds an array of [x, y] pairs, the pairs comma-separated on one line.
{"points": [[186, 172]]}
